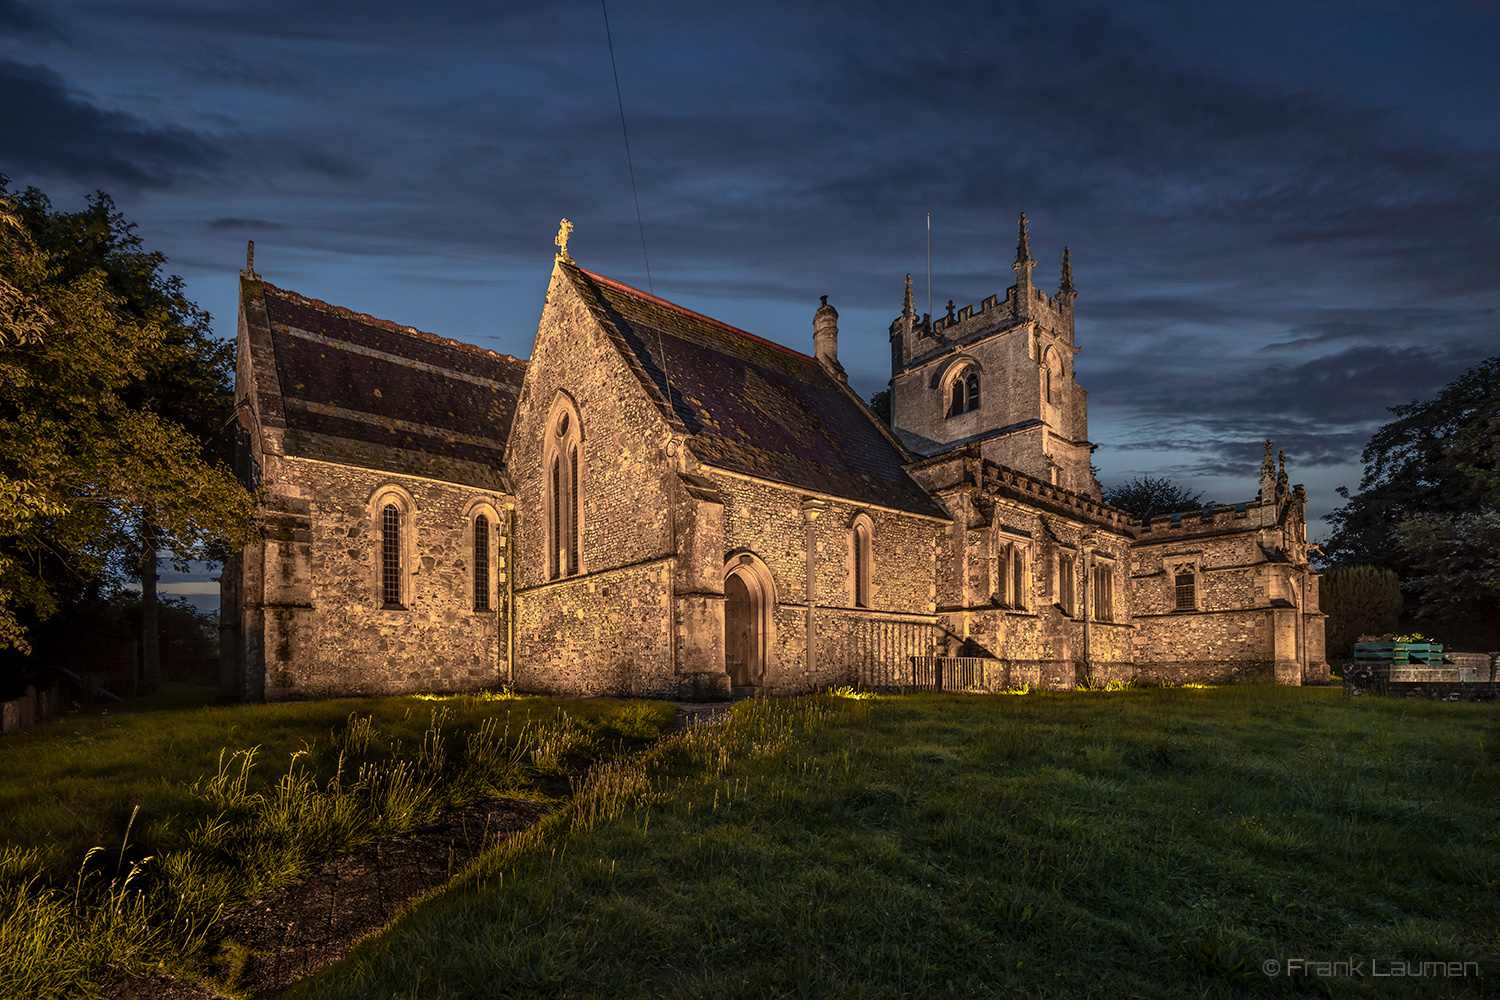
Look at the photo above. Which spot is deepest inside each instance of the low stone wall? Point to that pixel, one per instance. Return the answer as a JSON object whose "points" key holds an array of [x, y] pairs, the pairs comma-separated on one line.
{"points": [[1433, 690], [1462, 677], [1483, 664], [21, 712]]}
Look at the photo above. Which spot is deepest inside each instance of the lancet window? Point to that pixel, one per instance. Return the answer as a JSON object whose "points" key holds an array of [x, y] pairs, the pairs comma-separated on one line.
{"points": [[563, 487]]}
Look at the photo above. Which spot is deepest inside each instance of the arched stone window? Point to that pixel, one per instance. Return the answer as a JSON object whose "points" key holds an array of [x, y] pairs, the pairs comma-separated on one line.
{"points": [[1067, 568], [1011, 579], [392, 514], [1104, 591], [1187, 598], [1185, 587], [390, 555], [562, 485], [485, 536], [963, 391], [481, 563], [1052, 377], [861, 539]]}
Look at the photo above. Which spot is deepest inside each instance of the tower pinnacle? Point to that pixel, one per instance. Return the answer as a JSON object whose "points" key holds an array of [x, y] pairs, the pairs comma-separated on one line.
{"points": [[1065, 287], [1023, 249], [907, 309]]}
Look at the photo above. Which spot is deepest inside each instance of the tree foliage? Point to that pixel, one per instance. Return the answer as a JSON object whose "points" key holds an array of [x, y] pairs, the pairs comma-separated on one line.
{"points": [[1437, 459], [1428, 506], [1358, 600], [1149, 496], [112, 394]]}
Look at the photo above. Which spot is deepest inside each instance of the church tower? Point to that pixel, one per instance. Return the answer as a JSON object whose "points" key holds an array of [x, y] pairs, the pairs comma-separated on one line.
{"points": [[999, 376]]}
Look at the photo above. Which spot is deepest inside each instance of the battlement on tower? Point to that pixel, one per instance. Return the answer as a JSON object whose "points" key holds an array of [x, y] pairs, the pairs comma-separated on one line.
{"points": [[993, 315]]}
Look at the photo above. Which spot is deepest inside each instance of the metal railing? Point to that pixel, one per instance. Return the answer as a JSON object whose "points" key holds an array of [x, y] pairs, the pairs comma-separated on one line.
{"points": [[958, 673]]}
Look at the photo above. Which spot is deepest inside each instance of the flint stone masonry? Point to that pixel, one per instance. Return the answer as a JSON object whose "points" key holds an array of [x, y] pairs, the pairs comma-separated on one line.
{"points": [[323, 628], [660, 485]]}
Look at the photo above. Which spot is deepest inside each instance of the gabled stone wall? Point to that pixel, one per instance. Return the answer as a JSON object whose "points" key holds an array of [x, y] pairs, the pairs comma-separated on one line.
{"points": [[607, 630]]}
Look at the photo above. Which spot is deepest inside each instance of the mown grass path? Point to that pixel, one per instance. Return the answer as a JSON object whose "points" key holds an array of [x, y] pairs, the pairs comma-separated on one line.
{"points": [[1151, 843]]}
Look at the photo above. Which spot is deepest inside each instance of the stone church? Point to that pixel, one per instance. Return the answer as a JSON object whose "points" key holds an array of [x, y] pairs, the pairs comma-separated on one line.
{"points": [[659, 504]]}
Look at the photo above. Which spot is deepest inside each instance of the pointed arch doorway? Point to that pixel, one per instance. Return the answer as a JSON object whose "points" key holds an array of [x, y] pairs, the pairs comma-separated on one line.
{"points": [[748, 599]]}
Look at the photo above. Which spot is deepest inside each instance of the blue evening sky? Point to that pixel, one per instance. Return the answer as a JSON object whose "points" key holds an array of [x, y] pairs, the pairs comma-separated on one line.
{"points": [[1283, 216]]}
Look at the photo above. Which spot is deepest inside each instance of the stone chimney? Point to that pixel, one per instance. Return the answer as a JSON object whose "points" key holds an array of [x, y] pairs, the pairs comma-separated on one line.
{"points": [[826, 339]]}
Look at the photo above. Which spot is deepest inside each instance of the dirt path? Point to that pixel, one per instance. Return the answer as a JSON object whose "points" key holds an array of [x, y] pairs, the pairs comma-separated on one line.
{"points": [[293, 932]]}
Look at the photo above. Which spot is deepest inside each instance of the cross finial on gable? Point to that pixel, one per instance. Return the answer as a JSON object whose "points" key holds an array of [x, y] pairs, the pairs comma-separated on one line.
{"points": [[564, 229]]}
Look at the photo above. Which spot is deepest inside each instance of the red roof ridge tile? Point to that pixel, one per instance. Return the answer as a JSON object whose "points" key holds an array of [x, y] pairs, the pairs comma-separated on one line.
{"points": [[386, 324], [684, 310]]}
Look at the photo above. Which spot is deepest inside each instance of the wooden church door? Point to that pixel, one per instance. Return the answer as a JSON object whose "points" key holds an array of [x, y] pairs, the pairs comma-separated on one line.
{"points": [[741, 647]]}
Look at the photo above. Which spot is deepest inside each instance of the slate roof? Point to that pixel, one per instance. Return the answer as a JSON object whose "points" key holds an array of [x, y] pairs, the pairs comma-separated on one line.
{"points": [[752, 406], [371, 382]]}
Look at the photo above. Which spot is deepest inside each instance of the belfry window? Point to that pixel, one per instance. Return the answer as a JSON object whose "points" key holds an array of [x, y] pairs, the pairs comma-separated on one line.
{"points": [[964, 393]]}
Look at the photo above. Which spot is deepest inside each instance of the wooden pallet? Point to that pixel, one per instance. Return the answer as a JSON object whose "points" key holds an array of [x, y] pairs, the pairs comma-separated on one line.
{"points": [[1400, 653]]}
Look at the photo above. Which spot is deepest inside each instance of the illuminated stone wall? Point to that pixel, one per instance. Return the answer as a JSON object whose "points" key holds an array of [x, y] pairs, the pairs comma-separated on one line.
{"points": [[311, 592]]}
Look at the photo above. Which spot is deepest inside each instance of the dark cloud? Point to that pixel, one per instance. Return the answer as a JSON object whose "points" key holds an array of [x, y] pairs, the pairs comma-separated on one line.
{"points": [[1279, 226], [1321, 410], [245, 224], [19, 19], [1395, 325], [52, 132]]}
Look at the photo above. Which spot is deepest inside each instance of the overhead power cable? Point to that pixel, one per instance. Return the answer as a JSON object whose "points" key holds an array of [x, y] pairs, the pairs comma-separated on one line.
{"points": [[626, 133]]}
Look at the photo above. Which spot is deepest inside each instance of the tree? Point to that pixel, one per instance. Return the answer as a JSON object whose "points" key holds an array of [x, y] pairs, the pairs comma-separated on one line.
{"points": [[880, 404], [1148, 496], [1455, 560], [112, 396], [1429, 503], [1358, 600]]}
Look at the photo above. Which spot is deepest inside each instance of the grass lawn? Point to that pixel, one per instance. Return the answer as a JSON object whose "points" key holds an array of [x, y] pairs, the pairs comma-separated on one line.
{"points": [[1148, 843], [123, 831]]}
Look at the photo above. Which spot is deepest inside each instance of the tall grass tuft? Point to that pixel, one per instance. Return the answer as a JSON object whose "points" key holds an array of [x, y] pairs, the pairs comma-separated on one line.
{"points": [[237, 835]]}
